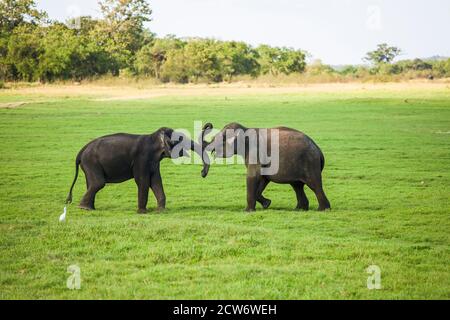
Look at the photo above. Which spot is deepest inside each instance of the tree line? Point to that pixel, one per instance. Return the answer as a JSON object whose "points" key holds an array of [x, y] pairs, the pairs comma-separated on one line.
{"points": [[34, 48]]}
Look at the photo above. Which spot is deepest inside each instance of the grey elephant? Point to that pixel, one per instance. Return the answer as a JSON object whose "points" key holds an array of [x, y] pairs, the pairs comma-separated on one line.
{"points": [[300, 161], [120, 157]]}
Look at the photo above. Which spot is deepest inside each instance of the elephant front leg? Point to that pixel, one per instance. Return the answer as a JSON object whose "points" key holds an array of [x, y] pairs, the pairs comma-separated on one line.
{"points": [[252, 189], [158, 191], [143, 186]]}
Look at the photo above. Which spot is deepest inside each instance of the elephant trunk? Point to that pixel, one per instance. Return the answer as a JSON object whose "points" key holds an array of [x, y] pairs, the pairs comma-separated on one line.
{"points": [[203, 155], [206, 129]]}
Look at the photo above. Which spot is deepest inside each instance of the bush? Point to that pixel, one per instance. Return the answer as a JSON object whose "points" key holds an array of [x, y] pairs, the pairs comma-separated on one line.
{"points": [[349, 70], [442, 68], [389, 69], [362, 72], [318, 68]]}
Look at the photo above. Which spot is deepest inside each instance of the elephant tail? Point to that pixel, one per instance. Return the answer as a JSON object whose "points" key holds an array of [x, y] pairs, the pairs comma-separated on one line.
{"points": [[322, 162], [77, 164]]}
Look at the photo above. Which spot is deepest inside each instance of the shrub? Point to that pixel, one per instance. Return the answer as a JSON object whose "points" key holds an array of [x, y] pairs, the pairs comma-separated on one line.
{"points": [[442, 68]]}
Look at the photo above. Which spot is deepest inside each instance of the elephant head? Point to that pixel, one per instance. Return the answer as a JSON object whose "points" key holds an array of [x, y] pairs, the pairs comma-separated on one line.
{"points": [[175, 144]]}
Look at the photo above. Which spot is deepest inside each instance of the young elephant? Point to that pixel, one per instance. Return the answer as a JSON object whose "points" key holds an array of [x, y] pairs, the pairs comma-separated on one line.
{"points": [[120, 157], [294, 159]]}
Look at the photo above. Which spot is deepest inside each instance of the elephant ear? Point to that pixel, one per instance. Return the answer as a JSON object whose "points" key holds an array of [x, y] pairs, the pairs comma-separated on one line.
{"points": [[174, 144], [166, 143]]}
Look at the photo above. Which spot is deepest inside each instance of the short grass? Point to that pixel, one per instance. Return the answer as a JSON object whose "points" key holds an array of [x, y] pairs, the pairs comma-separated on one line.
{"points": [[387, 176]]}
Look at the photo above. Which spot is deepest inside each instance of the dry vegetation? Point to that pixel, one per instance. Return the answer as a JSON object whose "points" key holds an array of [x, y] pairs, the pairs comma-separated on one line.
{"points": [[116, 89]]}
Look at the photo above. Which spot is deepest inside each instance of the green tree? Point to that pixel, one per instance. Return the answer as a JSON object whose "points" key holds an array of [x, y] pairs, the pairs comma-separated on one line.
{"points": [[291, 61], [24, 49], [237, 58], [275, 60], [202, 59], [415, 65], [90, 58], [57, 47], [176, 67], [122, 31], [16, 12], [383, 54], [5, 67], [349, 70], [267, 59], [151, 57], [442, 68], [388, 69]]}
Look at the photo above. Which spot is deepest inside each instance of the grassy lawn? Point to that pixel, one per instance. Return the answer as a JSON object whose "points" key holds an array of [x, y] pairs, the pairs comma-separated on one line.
{"points": [[387, 176]]}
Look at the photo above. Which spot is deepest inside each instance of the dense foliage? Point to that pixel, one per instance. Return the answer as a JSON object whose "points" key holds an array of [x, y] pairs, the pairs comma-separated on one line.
{"points": [[33, 48]]}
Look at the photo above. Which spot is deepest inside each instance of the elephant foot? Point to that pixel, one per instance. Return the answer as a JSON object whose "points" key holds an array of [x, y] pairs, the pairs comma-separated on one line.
{"points": [[160, 209], [324, 209], [85, 207], [142, 211], [301, 209], [250, 210], [266, 203]]}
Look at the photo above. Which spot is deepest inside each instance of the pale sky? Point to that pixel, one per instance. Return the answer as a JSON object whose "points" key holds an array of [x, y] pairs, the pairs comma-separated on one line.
{"points": [[335, 31]]}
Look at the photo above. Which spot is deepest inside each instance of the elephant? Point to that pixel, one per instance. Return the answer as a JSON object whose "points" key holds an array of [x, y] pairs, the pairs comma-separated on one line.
{"points": [[119, 157], [300, 161]]}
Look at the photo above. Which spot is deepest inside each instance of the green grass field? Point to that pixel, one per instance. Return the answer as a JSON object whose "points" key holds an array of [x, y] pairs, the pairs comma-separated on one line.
{"points": [[387, 176]]}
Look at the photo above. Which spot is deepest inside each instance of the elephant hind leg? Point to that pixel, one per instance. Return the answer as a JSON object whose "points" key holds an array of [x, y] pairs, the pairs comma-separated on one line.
{"points": [[315, 184], [95, 181], [260, 198], [302, 200]]}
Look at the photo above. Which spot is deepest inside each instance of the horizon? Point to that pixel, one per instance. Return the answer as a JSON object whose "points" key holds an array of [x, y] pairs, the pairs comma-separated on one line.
{"points": [[355, 27]]}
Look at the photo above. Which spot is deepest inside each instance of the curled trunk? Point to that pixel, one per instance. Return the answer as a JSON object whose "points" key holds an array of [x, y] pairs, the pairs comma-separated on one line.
{"points": [[203, 155], [206, 129]]}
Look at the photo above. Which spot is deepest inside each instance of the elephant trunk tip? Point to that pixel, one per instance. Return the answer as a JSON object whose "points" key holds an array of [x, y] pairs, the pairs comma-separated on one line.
{"points": [[207, 126], [205, 171]]}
